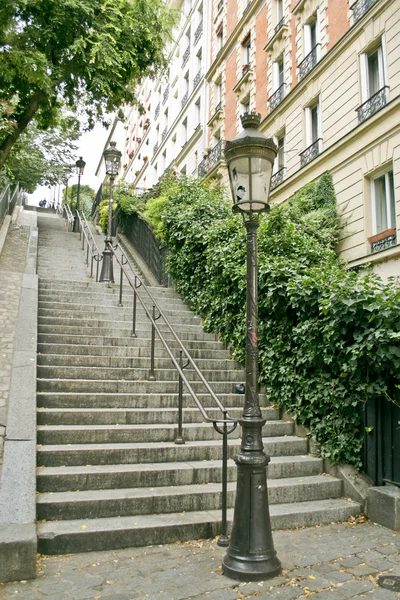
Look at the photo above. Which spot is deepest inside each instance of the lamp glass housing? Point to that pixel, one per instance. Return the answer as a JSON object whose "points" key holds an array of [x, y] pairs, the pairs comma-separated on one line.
{"points": [[112, 158], [81, 165]]}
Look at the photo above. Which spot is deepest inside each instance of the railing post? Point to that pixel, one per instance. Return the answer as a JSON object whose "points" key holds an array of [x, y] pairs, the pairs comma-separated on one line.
{"points": [[91, 265], [223, 538], [87, 254], [121, 275], [179, 438], [152, 374], [134, 311]]}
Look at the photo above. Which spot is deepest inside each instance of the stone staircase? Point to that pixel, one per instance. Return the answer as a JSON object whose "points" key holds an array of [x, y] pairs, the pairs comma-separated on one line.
{"points": [[109, 474]]}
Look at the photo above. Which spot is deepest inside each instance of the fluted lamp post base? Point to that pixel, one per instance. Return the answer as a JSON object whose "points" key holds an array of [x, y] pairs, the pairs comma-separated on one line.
{"points": [[107, 271], [75, 227]]}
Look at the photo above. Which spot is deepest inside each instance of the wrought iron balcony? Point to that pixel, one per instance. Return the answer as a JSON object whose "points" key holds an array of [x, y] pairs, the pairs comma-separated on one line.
{"points": [[213, 158], [311, 152], [157, 111], [247, 8], [155, 148], [174, 81], [277, 97], [184, 99], [360, 7], [196, 80], [373, 104], [309, 62], [220, 5], [198, 31], [164, 133], [186, 55], [277, 178], [166, 94], [245, 69], [386, 242], [280, 25]]}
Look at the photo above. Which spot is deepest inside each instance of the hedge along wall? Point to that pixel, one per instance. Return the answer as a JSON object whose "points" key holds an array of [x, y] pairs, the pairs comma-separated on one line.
{"points": [[328, 337]]}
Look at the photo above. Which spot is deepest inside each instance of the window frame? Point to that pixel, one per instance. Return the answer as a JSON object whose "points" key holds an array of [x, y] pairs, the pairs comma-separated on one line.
{"points": [[390, 200]]}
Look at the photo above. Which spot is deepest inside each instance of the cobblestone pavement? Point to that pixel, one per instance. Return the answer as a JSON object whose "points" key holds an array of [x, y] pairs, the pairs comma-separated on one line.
{"points": [[321, 563], [12, 267]]}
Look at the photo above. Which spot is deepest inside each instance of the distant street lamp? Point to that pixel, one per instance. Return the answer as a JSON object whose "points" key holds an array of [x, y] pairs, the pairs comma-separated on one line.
{"points": [[112, 158], [251, 555], [80, 164]]}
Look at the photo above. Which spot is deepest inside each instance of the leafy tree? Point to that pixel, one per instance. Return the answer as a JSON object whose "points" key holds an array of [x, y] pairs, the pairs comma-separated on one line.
{"points": [[80, 53], [86, 197], [43, 157]]}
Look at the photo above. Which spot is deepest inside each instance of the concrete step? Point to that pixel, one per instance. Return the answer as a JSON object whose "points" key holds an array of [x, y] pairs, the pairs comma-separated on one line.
{"points": [[98, 477], [117, 322], [124, 453], [134, 416], [143, 342], [135, 373], [106, 303], [121, 434], [127, 351], [133, 400], [114, 386], [98, 504], [125, 332], [98, 288], [68, 317], [129, 362], [85, 535]]}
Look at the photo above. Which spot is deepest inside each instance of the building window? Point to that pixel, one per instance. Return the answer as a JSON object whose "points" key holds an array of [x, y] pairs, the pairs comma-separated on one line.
{"points": [[374, 91], [278, 76], [279, 164], [311, 47], [279, 11], [383, 203], [245, 105], [219, 38], [313, 133], [246, 50]]}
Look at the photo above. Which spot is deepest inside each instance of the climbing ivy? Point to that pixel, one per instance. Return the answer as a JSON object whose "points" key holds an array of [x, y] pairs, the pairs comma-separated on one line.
{"points": [[328, 336]]}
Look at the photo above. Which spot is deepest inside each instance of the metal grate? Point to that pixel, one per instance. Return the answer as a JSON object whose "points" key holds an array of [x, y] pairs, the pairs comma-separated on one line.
{"points": [[216, 154], [280, 25], [372, 105], [157, 111], [186, 55], [184, 99], [311, 152], [277, 178], [360, 7], [198, 32], [387, 242], [196, 80], [166, 94], [309, 62], [164, 133], [277, 97]]}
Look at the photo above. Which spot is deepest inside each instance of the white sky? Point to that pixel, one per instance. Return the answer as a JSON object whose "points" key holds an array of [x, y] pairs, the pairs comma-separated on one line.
{"points": [[90, 147]]}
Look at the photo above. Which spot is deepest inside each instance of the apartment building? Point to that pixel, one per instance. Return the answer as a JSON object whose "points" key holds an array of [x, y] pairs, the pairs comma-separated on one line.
{"points": [[325, 76], [169, 129]]}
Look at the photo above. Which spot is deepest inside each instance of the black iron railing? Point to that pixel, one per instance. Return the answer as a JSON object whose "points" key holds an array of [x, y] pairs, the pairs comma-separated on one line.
{"points": [[198, 32], [245, 69], [165, 95], [309, 61], [360, 7], [186, 55], [184, 99], [220, 5], [68, 217], [277, 97], [155, 147], [311, 152], [196, 80], [4, 202], [214, 157], [174, 81], [387, 242], [277, 178], [279, 26], [247, 7], [373, 104], [157, 111], [181, 361], [88, 243], [164, 133]]}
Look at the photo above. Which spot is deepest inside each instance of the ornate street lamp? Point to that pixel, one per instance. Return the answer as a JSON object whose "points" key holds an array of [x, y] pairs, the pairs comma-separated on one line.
{"points": [[112, 158], [80, 165], [251, 555]]}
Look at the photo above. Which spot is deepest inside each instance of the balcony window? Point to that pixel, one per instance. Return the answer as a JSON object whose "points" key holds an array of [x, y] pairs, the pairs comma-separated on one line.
{"points": [[279, 15], [279, 164], [374, 91], [383, 203], [311, 47], [277, 97], [313, 134], [246, 45]]}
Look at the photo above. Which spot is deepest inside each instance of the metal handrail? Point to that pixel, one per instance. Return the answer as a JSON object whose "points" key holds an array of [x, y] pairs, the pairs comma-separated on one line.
{"points": [[4, 202], [85, 234], [227, 422], [68, 216]]}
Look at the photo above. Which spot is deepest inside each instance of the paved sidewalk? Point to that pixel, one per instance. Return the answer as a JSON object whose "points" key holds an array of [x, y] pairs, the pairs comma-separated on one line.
{"points": [[322, 563]]}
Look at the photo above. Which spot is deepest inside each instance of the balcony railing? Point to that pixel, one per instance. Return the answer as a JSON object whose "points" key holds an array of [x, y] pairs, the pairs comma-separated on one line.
{"points": [[186, 55], [166, 94], [247, 8], [277, 178], [277, 97], [309, 62], [214, 157], [360, 7], [174, 81], [196, 80], [280, 25], [387, 242], [220, 5], [373, 104], [198, 31], [164, 133], [157, 111], [184, 99], [311, 152], [245, 69], [155, 148]]}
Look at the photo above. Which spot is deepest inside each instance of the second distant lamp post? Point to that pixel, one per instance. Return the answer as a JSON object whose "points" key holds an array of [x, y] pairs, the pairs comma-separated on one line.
{"points": [[112, 158], [80, 164]]}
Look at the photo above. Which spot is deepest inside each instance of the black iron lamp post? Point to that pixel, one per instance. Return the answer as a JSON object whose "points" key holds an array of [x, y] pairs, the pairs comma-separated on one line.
{"points": [[251, 555], [80, 164], [112, 158]]}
